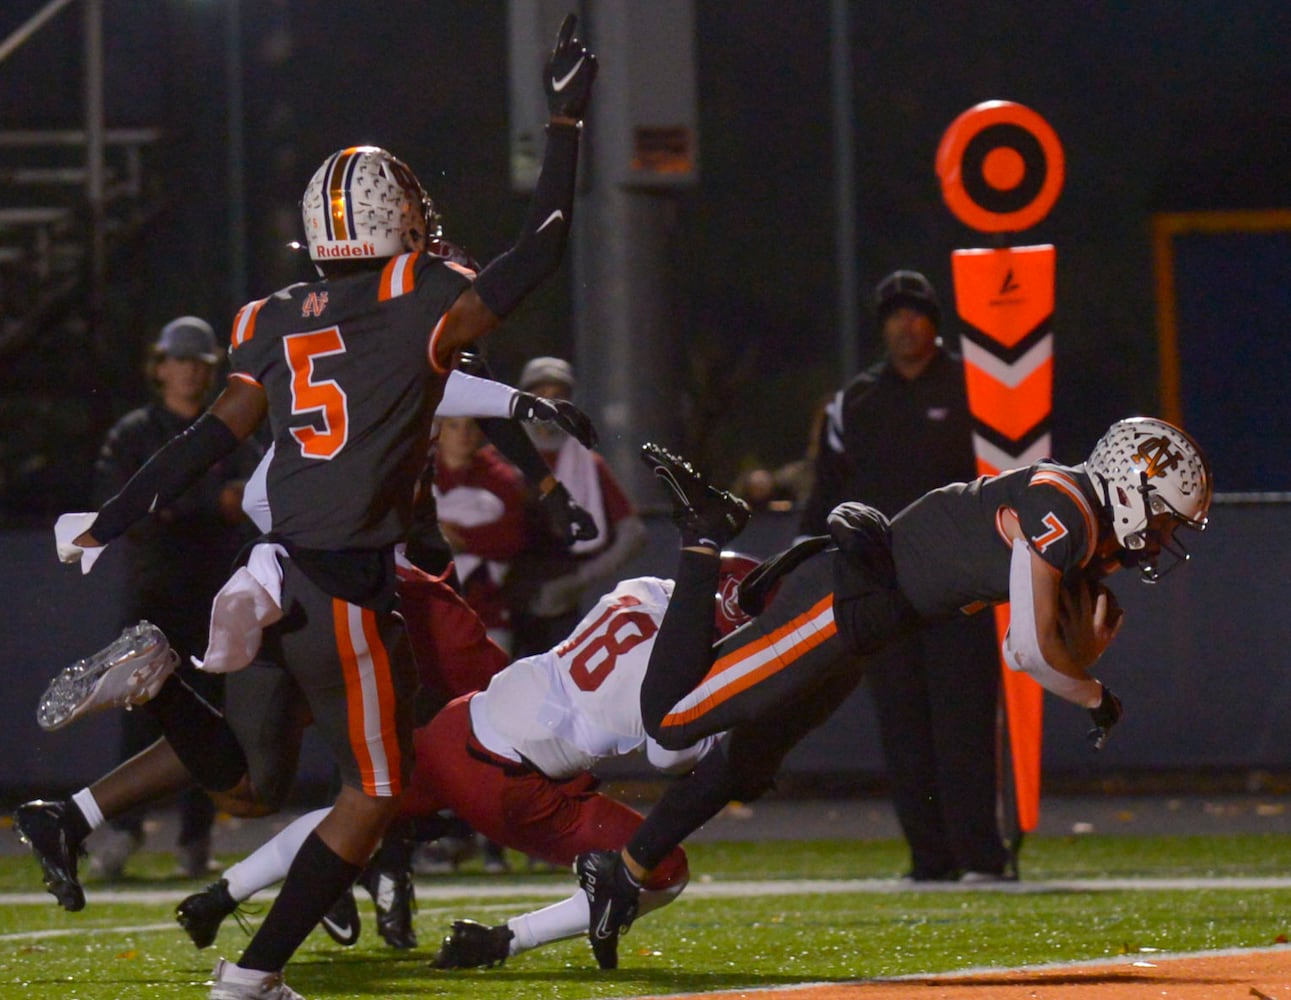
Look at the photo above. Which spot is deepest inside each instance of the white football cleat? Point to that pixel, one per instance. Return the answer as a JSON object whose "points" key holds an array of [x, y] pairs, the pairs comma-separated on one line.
{"points": [[128, 671]]}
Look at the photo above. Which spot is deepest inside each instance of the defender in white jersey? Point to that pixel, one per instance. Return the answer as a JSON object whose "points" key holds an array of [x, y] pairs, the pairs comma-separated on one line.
{"points": [[566, 709], [515, 759]]}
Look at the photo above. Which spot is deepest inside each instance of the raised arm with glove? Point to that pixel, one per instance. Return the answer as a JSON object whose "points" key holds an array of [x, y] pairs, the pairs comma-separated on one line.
{"points": [[568, 78]]}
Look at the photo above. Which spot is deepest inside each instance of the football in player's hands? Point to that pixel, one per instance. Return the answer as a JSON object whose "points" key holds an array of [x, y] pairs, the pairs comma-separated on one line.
{"points": [[1113, 614], [1088, 618], [1076, 599], [1080, 598]]}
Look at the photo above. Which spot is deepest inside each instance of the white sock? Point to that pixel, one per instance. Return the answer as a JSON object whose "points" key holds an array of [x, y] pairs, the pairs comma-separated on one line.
{"points": [[569, 918], [565, 919], [84, 800], [269, 863], [230, 972]]}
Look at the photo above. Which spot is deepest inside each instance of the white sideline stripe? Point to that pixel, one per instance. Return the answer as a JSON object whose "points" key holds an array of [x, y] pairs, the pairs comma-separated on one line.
{"points": [[118, 930], [428, 890]]}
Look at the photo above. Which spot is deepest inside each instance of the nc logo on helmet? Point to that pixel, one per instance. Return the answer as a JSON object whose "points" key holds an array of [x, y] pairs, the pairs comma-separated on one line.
{"points": [[1157, 456]]}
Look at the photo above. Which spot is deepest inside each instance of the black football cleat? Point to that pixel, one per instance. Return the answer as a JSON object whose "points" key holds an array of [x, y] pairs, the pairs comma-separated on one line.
{"points": [[613, 896], [472, 945], [341, 922], [702, 512], [202, 913], [395, 899], [43, 827]]}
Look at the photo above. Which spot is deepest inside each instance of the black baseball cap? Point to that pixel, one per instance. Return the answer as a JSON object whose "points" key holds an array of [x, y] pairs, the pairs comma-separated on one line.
{"points": [[906, 288]]}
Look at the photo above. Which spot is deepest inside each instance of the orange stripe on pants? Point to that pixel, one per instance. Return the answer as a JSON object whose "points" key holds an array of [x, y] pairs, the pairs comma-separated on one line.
{"points": [[779, 661], [362, 660]]}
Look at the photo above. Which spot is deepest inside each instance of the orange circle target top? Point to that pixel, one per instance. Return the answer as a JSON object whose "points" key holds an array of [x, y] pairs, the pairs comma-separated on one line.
{"points": [[1001, 167]]}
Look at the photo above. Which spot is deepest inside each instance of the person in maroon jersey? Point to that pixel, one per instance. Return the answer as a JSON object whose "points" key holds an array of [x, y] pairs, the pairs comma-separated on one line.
{"points": [[348, 370], [481, 501], [548, 582], [1040, 537]]}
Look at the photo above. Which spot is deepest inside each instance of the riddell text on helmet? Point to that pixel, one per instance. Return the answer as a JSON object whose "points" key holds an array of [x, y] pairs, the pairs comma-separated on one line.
{"points": [[347, 250]]}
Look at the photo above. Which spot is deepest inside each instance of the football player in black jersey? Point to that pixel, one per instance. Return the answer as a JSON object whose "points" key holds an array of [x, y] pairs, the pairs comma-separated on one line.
{"points": [[348, 370], [1039, 537]]}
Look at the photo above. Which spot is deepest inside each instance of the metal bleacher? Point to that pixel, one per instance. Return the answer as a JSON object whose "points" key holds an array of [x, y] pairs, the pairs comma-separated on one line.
{"points": [[73, 197], [45, 219]]}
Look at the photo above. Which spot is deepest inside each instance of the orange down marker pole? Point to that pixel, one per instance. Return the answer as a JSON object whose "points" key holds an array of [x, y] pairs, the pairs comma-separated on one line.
{"points": [[1001, 168]]}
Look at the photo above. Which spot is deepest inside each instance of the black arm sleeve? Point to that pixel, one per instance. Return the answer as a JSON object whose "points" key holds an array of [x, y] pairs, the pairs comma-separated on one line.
{"points": [[172, 470], [536, 255]]}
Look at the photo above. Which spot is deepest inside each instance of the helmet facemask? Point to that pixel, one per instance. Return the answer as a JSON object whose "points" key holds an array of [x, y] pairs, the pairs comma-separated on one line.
{"points": [[1142, 549]]}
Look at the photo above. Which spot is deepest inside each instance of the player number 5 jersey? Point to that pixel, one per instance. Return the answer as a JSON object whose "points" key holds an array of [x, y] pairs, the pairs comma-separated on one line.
{"points": [[345, 369]]}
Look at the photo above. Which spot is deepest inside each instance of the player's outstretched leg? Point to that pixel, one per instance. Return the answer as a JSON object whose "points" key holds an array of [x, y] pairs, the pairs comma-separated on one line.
{"points": [[128, 671], [46, 829], [613, 897], [702, 512], [472, 945]]}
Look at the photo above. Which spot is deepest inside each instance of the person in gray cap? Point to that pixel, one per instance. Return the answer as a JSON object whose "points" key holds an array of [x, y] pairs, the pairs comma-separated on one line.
{"points": [[177, 561], [897, 430], [547, 582]]}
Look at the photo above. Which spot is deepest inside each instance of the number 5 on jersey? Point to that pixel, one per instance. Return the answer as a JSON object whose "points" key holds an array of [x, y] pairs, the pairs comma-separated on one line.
{"points": [[323, 401]]}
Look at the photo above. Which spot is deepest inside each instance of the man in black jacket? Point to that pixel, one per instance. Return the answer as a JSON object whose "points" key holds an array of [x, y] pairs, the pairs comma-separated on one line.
{"points": [[897, 430], [177, 560]]}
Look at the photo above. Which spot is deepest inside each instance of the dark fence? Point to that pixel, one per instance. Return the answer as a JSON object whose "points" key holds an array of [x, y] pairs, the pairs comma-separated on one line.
{"points": [[1203, 664]]}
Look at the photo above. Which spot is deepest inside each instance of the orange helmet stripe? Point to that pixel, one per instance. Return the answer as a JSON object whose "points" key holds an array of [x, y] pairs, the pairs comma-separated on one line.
{"points": [[338, 190]]}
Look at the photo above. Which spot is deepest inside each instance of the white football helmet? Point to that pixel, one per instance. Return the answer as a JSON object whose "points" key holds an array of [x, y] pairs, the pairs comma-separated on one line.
{"points": [[1151, 474], [364, 203]]}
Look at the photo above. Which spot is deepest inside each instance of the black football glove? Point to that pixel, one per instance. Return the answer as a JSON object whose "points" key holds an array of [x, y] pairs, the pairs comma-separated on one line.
{"points": [[1106, 714], [567, 518], [563, 413], [569, 74]]}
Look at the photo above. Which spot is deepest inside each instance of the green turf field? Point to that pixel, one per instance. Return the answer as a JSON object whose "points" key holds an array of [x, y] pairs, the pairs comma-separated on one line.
{"points": [[764, 933]]}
